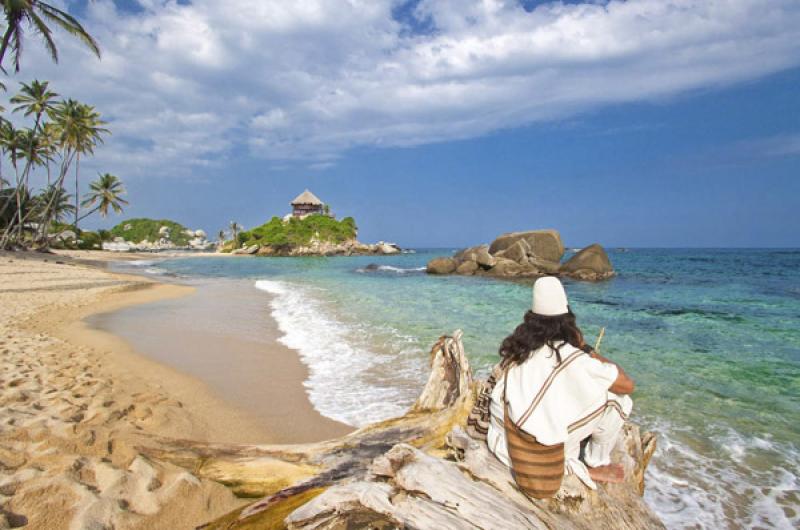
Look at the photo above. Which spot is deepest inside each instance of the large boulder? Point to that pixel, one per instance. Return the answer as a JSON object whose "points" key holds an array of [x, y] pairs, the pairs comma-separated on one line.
{"points": [[544, 266], [441, 266], [545, 244], [467, 268], [518, 252], [470, 253], [116, 246], [591, 263], [484, 259], [387, 248], [252, 249], [506, 267]]}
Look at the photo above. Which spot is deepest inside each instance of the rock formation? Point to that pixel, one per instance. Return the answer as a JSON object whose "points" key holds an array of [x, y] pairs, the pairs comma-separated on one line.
{"points": [[545, 244], [443, 265], [416, 471], [526, 255], [591, 263], [316, 247], [198, 241]]}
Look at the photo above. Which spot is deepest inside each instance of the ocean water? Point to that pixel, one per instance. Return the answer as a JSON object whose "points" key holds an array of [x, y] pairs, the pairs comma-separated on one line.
{"points": [[712, 338]]}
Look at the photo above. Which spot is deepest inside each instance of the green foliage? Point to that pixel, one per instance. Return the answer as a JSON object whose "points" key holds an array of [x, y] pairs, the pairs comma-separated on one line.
{"points": [[298, 232], [140, 229], [89, 240]]}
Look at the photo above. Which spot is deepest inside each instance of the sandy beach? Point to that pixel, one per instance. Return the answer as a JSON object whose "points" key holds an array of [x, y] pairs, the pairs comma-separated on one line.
{"points": [[77, 404]]}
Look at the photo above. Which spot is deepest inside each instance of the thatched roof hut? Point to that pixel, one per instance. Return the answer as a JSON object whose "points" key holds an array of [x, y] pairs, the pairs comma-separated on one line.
{"points": [[307, 204]]}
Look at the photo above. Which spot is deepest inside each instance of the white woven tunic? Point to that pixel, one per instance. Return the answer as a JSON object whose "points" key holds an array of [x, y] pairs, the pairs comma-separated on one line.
{"points": [[573, 391]]}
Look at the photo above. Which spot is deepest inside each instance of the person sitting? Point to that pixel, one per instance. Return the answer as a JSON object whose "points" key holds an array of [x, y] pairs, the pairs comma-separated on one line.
{"points": [[559, 390]]}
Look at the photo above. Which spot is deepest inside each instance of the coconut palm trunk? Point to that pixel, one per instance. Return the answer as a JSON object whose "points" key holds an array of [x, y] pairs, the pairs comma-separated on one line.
{"points": [[77, 194]]}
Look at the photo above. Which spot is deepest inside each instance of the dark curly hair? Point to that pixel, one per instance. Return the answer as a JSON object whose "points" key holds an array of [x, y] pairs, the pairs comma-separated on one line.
{"points": [[538, 330]]}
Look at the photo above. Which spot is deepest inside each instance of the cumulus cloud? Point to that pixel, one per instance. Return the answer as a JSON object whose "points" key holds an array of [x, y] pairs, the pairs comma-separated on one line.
{"points": [[185, 85]]}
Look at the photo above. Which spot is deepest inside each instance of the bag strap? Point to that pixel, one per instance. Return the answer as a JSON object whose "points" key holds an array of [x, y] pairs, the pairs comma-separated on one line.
{"points": [[545, 386]]}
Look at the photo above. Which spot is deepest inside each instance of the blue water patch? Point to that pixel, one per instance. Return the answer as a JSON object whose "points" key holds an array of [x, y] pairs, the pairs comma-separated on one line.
{"points": [[711, 336]]}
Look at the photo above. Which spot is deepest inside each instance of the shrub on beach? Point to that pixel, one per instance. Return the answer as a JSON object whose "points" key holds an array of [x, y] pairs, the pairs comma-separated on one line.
{"points": [[298, 232], [89, 240]]}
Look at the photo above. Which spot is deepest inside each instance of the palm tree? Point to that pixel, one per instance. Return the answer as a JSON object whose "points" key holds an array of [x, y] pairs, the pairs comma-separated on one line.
{"points": [[57, 201], [35, 14], [221, 238], [105, 192], [32, 150], [11, 141], [81, 130], [235, 229], [34, 99], [49, 140], [5, 125]]}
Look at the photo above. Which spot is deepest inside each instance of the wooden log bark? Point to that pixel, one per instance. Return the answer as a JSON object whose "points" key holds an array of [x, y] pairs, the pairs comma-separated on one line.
{"points": [[416, 471]]}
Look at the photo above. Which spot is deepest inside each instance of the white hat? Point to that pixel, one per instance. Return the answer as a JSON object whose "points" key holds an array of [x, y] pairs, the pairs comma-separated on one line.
{"points": [[549, 297]]}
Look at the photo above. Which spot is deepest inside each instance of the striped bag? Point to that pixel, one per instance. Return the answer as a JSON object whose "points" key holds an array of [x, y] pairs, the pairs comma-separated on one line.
{"points": [[538, 469], [480, 415]]}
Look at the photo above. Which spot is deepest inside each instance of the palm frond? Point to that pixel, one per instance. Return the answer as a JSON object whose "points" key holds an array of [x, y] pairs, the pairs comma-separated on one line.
{"points": [[69, 24], [16, 47], [37, 22], [13, 20]]}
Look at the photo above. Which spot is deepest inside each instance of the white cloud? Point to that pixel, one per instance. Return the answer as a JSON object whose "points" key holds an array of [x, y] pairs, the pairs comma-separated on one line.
{"points": [[183, 85], [784, 145]]}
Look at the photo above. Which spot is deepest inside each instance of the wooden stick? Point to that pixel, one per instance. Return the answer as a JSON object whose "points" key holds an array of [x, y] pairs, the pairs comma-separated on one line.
{"points": [[599, 339]]}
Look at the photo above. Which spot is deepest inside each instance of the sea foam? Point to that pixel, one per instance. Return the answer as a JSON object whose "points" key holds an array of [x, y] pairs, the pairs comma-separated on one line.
{"points": [[690, 490], [338, 357], [392, 269]]}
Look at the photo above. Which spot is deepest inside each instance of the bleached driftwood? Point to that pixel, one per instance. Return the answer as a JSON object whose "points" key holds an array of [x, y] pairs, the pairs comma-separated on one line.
{"points": [[417, 471]]}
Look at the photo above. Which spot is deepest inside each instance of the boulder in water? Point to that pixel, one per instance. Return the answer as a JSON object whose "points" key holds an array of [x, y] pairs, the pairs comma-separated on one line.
{"points": [[544, 266], [518, 252], [387, 248], [441, 266], [591, 263], [470, 253], [484, 259], [545, 244], [506, 267], [467, 268]]}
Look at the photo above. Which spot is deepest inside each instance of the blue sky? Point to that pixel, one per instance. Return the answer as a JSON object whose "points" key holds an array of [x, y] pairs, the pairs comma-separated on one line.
{"points": [[631, 124]]}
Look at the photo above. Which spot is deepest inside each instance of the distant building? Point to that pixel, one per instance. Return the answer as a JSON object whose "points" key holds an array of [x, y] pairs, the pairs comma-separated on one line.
{"points": [[307, 204]]}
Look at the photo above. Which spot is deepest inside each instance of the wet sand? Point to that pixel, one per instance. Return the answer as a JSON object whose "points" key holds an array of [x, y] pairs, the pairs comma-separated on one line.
{"points": [[224, 336]]}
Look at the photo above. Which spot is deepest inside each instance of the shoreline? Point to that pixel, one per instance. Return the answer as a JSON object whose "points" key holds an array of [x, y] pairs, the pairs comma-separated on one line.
{"points": [[205, 338], [77, 403]]}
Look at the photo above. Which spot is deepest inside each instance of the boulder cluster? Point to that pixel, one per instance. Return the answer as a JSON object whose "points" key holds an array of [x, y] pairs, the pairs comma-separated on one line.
{"points": [[351, 247], [198, 241], [527, 254]]}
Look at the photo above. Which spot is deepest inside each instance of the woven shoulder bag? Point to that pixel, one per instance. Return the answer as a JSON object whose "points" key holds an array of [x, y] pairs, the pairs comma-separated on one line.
{"points": [[538, 469]]}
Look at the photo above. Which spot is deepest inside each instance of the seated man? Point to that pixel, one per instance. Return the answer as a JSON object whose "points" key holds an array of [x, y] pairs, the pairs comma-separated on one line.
{"points": [[559, 393]]}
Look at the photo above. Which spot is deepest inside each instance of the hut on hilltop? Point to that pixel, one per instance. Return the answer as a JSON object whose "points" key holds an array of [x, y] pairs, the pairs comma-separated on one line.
{"points": [[307, 204]]}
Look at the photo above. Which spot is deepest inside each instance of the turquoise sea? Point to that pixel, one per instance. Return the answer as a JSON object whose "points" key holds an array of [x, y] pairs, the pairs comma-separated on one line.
{"points": [[711, 336]]}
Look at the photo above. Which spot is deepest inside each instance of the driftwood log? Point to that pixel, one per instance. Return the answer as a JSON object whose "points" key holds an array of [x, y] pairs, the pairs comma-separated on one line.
{"points": [[416, 471]]}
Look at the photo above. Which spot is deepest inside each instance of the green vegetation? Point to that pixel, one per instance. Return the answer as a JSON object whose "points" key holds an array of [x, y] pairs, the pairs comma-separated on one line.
{"points": [[86, 239], [136, 230], [298, 232], [62, 131]]}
